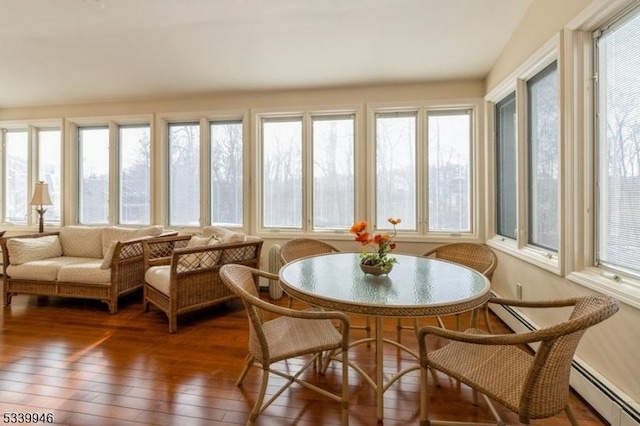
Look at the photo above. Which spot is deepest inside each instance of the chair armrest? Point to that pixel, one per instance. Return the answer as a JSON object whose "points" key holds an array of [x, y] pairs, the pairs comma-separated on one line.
{"points": [[481, 338], [158, 250]]}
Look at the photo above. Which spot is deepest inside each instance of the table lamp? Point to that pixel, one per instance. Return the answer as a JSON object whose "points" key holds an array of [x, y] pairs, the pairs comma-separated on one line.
{"points": [[40, 199]]}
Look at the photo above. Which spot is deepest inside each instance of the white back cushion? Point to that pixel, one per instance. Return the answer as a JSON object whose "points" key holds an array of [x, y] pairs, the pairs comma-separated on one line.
{"points": [[23, 250], [81, 241]]}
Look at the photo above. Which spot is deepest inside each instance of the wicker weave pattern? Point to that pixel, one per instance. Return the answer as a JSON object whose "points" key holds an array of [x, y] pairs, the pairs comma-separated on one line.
{"points": [[291, 334], [476, 256], [303, 247], [534, 386], [194, 279]]}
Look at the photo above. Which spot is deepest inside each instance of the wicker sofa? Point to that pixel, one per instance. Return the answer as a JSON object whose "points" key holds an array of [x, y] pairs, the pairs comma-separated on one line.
{"points": [[183, 272], [100, 263]]}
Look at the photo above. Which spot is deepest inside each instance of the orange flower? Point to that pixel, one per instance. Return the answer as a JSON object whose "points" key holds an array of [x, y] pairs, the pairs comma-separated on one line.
{"points": [[363, 238], [358, 227], [394, 221], [381, 238]]}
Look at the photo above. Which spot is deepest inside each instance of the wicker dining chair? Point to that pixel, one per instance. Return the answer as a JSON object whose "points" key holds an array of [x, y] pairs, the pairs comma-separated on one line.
{"points": [[302, 247], [291, 334], [496, 365], [475, 256]]}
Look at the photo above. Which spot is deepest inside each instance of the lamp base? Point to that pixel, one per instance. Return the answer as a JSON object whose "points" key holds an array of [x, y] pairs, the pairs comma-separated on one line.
{"points": [[41, 212]]}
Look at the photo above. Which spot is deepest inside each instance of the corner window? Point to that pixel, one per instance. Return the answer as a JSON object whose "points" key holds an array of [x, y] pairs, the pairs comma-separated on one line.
{"points": [[506, 173], [618, 146], [543, 158]]}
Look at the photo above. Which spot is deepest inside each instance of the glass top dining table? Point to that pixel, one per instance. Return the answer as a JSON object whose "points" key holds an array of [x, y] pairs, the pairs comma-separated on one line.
{"points": [[417, 286]]}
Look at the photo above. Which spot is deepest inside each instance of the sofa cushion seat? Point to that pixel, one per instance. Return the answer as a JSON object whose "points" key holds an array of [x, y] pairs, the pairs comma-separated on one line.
{"points": [[159, 277], [44, 269], [88, 272]]}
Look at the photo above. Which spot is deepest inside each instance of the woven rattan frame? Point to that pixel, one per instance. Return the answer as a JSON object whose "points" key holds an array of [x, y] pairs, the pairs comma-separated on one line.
{"points": [[308, 332], [475, 256], [193, 286], [127, 276], [533, 386]]}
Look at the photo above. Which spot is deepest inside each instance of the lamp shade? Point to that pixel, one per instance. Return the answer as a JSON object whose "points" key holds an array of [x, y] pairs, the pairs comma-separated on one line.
{"points": [[41, 195]]}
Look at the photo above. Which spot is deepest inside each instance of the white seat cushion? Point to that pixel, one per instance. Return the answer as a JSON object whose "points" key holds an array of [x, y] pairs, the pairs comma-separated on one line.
{"points": [[86, 272], [158, 277], [42, 270]]}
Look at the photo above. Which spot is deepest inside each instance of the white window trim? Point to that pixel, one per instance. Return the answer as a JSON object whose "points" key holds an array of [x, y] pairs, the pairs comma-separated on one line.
{"points": [[579, 45], [160, 193], [31, 127], [72, 198], [306, 114], [478, 152], [552, 262]]}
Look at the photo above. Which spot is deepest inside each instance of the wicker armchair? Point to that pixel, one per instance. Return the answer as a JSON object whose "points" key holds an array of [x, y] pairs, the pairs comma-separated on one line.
{"points": [[291, 334], [181, 279], [533, 386], [476, 256], [303, 247]]}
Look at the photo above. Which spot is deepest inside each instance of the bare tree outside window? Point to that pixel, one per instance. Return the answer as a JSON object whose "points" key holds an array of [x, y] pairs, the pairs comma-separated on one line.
{"points": [[226, 173], [544, 157], [396, 169], [618, 154], [333, 165], [449, 171], [16, 191], [184, 174], [94, 175], [282, 172], [135, 172]]}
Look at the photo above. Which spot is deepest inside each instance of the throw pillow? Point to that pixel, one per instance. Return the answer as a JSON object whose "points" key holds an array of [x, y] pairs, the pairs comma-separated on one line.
{"points": [[23, 250]]}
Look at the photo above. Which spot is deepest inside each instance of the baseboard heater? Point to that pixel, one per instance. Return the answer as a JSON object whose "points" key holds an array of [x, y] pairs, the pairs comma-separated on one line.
{"points": [[607, 401]]}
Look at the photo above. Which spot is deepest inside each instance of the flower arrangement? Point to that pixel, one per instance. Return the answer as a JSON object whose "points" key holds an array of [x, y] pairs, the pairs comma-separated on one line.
{"points": [[383, 241]]}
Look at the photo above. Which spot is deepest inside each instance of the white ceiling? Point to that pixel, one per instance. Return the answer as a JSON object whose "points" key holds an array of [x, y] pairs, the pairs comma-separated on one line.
{"points": [[77, 51]]}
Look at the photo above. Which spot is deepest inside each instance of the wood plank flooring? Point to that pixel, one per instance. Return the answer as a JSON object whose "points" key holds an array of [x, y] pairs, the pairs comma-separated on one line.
{"points": [[72, 359]]}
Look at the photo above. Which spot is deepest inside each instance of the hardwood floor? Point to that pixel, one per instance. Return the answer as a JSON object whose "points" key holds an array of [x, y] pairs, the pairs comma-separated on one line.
{"points": [[73, 359]]}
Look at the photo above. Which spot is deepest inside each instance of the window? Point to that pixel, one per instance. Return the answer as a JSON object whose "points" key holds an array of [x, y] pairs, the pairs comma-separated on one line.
{"points": [[93, 147], [226, 173], [396, 175], [618, 146], [449, 171], [543, 164], [50, 169], [527, 140], [308, 180], [430, 146], [333, 166], [506, 176], [184, 174], [30, 153], [134, 145]]}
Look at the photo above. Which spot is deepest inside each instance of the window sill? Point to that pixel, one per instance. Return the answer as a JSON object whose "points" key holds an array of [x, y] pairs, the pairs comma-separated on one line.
{"points": [[625, 289], [537, 257]]}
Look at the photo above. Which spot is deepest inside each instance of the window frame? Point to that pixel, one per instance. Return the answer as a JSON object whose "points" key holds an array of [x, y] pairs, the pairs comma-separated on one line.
{"points": [[32, 128], [113, 124], [160, 195], [517, 81], [477, 197], [306, 115], [581, 267]]}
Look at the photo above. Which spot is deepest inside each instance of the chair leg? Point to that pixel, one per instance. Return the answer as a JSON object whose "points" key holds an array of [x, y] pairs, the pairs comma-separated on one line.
{"points": [[257, 407], [247, 365], [485, 310], [424, 397], [345, 388], [572, 418]]}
